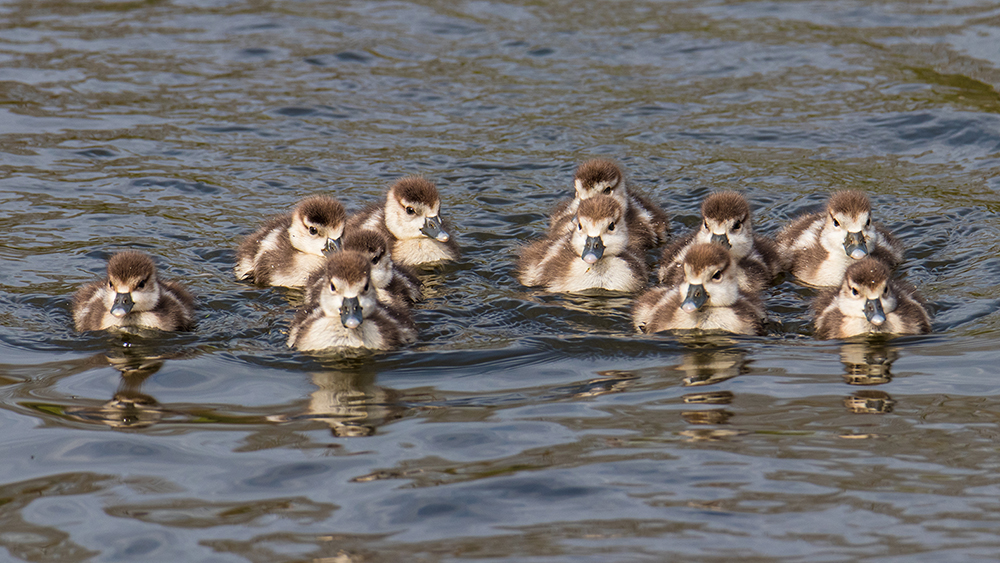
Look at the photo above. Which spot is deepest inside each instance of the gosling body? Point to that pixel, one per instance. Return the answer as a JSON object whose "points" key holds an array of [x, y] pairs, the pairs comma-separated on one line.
{"points": [[132, 295], [726, 220], [289, 248], [709, 298], [817, 248], [411, 220], [598, 253], [869, 301], [345, 311], [647, 222]]}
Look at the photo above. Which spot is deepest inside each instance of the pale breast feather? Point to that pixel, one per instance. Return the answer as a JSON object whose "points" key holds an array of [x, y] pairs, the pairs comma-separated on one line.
{"points": [[420, 251]]}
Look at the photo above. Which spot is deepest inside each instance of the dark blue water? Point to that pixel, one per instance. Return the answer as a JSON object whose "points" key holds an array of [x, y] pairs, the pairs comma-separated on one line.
{"points": [[521, 425]]}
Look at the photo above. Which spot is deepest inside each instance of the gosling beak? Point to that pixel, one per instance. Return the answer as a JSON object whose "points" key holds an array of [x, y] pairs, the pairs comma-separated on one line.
{"points": [[874, 312], [854, 245], [696, 297], [721, 239], [333, 245], [122, 305], [432, 228], [350, 313], [593, 249]]}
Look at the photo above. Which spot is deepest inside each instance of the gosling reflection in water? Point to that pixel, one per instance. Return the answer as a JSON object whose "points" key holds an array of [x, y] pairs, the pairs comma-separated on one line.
{"points": [[706, 363], [129, 408], [711, 417], [706, 366], [351, 404], [869, 401], [869, 362]]}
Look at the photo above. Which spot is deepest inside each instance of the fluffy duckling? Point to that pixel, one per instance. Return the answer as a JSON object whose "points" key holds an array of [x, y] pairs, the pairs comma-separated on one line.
{"points": [[709, 298], [869, 301], [646, 221], [346, 313], [396, 286], [133, 296], [410, 219], [817, 248], [597, 253], [726, 220], [289, 248]]}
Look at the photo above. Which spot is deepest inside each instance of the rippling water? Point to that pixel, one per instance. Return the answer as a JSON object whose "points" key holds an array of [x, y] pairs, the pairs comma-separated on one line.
{"points": [[522, 425]]}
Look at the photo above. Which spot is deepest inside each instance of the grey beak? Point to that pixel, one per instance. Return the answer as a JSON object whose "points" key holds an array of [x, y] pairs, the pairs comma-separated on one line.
{"points": [[122, 305], [874, 312], [696, 297], [593, 249], [333, 245], [854, 245], [721, 239], [432, 228], [350, 313]]}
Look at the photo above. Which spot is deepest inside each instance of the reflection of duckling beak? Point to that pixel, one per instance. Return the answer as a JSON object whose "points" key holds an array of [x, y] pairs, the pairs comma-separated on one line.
{"points": [[874, 312], [593, 249], [696, 297], [122, 305], [432, 228], [854, 245], [333, 245], [721, 239], [350, 313]]}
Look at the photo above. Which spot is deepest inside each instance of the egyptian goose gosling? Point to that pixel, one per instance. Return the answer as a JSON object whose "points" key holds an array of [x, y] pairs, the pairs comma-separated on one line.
{"points": [[817, 248], [411, 219], [133, 296], [726, 220], [708, 298], [869, 301], [289, 248], [346, 313]]}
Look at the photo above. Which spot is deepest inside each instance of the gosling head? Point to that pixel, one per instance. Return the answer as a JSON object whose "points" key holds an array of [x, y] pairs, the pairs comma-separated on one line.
{"points": [[866, 291], [848, 225], [726, 221], [373, 245], [317, 225], [347, 291], [709, 278], [600, 229], [132, 285], [599, 176], [412, 210]]}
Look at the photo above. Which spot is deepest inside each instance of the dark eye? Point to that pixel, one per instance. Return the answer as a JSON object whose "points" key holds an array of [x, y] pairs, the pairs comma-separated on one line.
{"points": [[885, 292], [141, 285], [410, 211], [111, 285], [607, 191], [706, 224], [313, 231], [836, 223], [717, 276], [376, 258], [366, 286], [868, 223], [611, 226], [854, 291], [579, 226], [333, 288], [737, 225]]}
